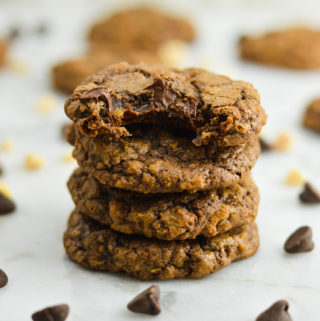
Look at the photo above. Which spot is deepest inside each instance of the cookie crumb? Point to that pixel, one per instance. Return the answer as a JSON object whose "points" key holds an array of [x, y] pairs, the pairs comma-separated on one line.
{"points": [[46, 104], [19, 67], [33, 162], [283, 142], [7, 145], [68, 158], [5, 190], [173, 52], [294, 178]]}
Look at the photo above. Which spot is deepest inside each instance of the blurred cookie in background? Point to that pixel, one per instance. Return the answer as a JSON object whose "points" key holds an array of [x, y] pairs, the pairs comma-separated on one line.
{"points": [[141, 28], [311, 119], [3, 50], [68, 74], [295, 48]]}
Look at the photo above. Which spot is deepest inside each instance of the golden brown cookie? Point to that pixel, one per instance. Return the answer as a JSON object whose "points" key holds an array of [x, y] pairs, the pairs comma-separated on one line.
{"points": [[215, 109], [296, 48], [163, 161], [311, 118], [176, 216], [141, 28], [98, 247]]}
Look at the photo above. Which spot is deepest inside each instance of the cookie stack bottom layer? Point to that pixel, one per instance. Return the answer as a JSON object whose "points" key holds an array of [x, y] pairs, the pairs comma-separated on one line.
{"points": [[98, 247]]}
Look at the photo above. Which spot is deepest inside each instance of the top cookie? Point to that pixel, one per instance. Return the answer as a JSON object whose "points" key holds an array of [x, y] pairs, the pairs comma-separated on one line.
{"points": [[214, 108], [295, 48], [141, 28]]}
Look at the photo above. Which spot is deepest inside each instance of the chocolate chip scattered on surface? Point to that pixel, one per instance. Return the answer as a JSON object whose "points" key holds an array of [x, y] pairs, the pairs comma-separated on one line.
{"points": [[5, 190], [277, 312], [6, 205], [309, 195], [294, 178], [54, 313], [7, 145], [173, 52], [265, 147], [283, 142], [34, 162], [146, 302], [3, 279], [46, 104], [300, 241], [68, 158]]}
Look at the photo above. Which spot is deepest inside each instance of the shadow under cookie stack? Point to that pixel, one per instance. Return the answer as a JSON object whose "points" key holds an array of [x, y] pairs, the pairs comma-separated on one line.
{"points": [[163, 189]]}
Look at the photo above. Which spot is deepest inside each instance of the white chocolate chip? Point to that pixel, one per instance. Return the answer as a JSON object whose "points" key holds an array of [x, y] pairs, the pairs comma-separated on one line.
{"points": [[34, 162]]}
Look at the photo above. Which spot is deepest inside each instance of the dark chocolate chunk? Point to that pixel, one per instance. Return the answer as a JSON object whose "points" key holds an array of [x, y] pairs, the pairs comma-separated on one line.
{"points": [[277, 312], [265, 147], [146, 302], [55, 313], [98, 93], [6, 205], [300, 241], [309, 195], [3, 279]]}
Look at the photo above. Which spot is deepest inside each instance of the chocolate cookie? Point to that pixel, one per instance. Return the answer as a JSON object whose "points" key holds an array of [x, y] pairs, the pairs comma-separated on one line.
{"points": [[176, 216], [69, 74], [311, 118], [214, 108], [3, 50], [98, 247], [158, 161], [141, 28], [295, 48]]}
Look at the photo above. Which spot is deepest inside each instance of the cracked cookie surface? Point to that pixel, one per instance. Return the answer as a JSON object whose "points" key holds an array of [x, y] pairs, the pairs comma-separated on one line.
{"points": [[296, 48], [98, 247], [158, 161], [141, 28], [215, 109], [176, 216]]}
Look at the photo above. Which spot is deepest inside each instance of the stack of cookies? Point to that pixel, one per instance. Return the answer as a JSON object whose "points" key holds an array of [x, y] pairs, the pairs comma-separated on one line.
{"points": [[163, 189]]}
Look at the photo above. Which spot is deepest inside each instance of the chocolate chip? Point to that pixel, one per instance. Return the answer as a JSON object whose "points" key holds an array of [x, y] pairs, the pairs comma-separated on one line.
{"points": [[6, 205], [55, 313], [300, 241], [277, 312], [3, 279], [146, 302], [265, 147], [14, 33], [42, 28], [309, 195], [98, 93]]}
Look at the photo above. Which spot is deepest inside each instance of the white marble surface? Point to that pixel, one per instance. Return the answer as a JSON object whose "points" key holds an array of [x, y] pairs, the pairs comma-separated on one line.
{"points": [[31, 250]]}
